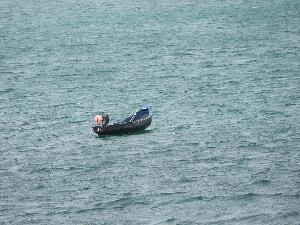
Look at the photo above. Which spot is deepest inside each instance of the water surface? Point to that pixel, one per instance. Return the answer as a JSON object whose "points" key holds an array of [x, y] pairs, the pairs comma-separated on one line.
{"points": [[223, 81]]}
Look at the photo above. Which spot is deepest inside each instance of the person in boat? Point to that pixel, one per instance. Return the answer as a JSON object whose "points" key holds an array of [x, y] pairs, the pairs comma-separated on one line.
{"points": [[102, 120]]}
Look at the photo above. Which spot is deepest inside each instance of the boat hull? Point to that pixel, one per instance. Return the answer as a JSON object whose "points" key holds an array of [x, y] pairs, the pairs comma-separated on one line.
{"points": [[122, 128]]}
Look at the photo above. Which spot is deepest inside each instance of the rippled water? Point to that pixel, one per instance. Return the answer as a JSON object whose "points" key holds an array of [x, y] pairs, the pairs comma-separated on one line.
{"points": [[223, 81]]}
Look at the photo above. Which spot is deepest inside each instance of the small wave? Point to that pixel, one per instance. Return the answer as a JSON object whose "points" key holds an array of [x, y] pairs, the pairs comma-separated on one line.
{"points": [[294, 195], [5, 209], [217, 197], [170, 193], [163, 203], [103, 164], [212, 147], [52, 169], [247, 196], [183, 180], [77, 121], [262, 182], [190, 199], [238, 219], [249, 144], [211, 159], [251, 195], [184, 54], [39, 187], [41, 170], [271, 112], [193, 144], [7, 90], [79, 45], [276, 195], [89, 209], [290, 103], [297, 195], [288, 214], [182, 127], [122, 203], [60, 105], [171, 220]]}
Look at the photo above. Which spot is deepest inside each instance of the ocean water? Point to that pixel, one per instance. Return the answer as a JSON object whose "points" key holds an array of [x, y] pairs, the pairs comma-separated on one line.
{"points": [[222, 78]]}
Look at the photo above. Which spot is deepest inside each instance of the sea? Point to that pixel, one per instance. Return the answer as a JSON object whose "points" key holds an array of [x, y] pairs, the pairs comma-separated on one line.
{"points": [[222, 78]]}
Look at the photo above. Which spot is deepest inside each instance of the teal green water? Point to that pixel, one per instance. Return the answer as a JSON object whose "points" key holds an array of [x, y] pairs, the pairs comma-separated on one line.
{"points": [[222, 78]]}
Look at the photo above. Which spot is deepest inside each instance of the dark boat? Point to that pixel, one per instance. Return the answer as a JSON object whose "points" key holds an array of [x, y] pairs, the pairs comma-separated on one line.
{"points": [[137, 122]]}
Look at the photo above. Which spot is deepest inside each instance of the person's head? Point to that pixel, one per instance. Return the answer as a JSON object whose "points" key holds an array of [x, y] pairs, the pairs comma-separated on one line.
{"points": [[99, 119]]}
